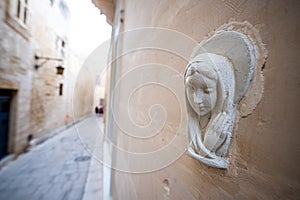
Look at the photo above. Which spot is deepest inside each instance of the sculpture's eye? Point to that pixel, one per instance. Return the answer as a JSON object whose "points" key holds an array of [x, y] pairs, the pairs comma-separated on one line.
{"points": [[190, 83], [206, 90], [192, 87]]}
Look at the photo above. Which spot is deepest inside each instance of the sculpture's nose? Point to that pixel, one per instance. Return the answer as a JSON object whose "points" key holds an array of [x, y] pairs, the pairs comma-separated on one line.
{"points": [[198, 97]]}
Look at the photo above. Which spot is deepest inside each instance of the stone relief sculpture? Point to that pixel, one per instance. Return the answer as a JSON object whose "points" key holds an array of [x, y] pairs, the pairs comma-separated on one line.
{"points": [[216, 80], [209, 93]]}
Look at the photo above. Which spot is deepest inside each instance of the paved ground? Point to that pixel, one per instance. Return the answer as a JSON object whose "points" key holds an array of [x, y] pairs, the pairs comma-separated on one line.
{"points": [[60, 168]]}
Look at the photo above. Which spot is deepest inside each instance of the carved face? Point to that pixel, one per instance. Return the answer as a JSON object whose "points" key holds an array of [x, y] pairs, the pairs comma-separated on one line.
{"points": [[201, 93]]}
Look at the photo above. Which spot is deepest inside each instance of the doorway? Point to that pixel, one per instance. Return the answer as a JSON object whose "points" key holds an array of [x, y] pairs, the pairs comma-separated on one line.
{"points": [[5, 100]]}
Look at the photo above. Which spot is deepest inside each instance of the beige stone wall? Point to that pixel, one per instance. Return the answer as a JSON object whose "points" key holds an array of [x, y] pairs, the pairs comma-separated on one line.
{"points": [[264, 156], [48, 108], [16, 75], [37, 108]]}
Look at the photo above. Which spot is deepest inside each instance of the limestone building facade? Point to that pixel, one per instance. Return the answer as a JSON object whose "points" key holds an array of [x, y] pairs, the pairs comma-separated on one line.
{"points": [[150, 50], [36, 100]]}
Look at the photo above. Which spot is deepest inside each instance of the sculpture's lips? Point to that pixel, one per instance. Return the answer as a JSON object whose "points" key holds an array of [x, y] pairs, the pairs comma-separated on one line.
{"points": [[201, 107]]}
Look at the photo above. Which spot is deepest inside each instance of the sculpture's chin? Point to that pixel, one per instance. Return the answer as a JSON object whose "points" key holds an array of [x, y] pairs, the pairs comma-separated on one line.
{"points": [[203, 113], [217, 162]]}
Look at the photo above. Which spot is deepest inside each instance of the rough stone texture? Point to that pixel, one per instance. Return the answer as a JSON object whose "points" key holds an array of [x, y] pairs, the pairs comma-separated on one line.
{"points": [[264, 151], [37, 107]]}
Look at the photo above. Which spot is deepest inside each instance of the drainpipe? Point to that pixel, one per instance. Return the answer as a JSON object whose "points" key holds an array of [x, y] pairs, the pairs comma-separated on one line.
{"points": [[109, 155]]}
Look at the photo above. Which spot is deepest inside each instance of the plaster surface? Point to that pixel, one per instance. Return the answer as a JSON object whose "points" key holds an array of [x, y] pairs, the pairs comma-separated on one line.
{"points": [[263, 155]]}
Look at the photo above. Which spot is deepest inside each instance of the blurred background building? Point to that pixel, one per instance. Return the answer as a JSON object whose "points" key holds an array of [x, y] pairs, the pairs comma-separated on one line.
{"points": [[35, 99]]}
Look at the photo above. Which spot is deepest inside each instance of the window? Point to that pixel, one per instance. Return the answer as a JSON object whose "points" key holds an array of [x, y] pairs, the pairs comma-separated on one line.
{"points": [[19, 9], [18, 16], [61, 46], [22, 11], [61, 86]]}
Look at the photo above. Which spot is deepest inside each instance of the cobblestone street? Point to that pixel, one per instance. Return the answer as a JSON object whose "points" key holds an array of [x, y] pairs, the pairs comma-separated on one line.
{"points": [[60, 168]]}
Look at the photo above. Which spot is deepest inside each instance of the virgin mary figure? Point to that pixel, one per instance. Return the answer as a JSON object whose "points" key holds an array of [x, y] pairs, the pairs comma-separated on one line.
{"points": [[216, 79]]}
